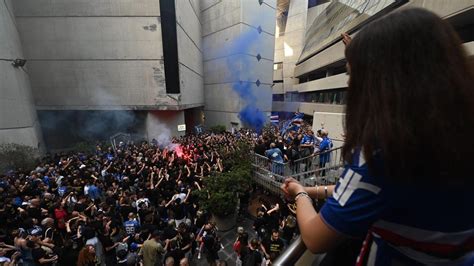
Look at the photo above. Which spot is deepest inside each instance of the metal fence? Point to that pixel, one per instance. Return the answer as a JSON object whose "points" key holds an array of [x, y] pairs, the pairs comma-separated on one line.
{"points": [[321, 168]]}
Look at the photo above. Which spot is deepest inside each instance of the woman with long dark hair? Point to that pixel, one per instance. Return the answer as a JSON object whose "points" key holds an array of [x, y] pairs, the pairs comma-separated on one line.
{"points": [[408, 146], [87, 256]]}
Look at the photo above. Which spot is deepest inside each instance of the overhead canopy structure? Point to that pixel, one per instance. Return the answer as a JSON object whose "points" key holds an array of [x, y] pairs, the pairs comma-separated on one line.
{"points": [[339, 17]]}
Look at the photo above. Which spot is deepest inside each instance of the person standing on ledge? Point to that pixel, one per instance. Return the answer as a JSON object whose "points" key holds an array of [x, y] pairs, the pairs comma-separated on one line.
{"points": [[403, 190], [276, 157]]}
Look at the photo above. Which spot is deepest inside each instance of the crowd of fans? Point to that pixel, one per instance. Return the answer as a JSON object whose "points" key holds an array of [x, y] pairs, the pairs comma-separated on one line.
{"points": [[133, 206], [114, 207], [293, 144], [273, 229]]}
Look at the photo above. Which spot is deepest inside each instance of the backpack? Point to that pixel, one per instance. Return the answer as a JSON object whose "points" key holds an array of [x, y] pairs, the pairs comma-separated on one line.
{"points": [[236, 247]]}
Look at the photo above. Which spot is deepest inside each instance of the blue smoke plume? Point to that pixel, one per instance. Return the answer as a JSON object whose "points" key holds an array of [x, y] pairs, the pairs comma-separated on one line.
{"points": [[250, 114], [240, 65]]}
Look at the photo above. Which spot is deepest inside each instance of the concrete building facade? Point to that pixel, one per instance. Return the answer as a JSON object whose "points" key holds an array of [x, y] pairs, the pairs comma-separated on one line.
{"points": [[104, 62], [101, 67], [309, 71], [238, 43], [18, 119]]}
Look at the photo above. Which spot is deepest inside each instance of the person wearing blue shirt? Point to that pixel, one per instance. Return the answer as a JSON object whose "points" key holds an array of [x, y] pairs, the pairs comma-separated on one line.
{"points": [[324, 147], [276, 156], [307, 143], [131, 225], [46, 180], [307, 147], [406, 194], [62, 190], [92, 191]]}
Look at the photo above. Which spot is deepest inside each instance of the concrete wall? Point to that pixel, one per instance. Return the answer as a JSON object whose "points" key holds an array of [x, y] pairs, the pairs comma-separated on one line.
{"points": [[331, 82], [306, 108], [333, 123], [279, 52], [278, 58], [293, 41], [231, 44], [107, 55], [278, 88], [190, 54], [18, 119], [98, 54]]}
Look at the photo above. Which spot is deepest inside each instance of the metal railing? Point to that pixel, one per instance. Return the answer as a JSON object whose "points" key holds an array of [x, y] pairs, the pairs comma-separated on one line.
{"points": [[292, 253], [319, 169], [277, 167]]}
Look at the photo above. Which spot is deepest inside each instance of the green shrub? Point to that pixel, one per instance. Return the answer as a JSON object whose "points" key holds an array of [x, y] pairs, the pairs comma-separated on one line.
{"points": [[221, 190], [218, 197], [17, 156]]}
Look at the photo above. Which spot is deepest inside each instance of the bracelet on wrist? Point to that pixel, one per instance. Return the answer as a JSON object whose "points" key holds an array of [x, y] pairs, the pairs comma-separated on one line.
{"points": [[301, 194]]}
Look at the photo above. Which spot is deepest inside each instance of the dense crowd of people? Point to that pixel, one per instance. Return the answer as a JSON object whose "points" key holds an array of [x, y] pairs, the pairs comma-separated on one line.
{"points": [[129, 206], [293, 144], [113, 207]]}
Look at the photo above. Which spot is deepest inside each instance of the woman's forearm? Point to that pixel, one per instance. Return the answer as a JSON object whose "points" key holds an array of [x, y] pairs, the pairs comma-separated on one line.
{"points": [[319, 192], [316, 235]]}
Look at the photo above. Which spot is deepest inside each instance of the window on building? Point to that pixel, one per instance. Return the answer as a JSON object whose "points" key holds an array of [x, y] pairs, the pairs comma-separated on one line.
{"points": [[292, 97], [278, 97], [337, 96], [319, 74], [338, 70], [335, 68]]}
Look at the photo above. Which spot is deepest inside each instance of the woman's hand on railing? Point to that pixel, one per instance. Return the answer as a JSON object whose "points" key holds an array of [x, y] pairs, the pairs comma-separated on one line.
{"points": [[291, 187]]}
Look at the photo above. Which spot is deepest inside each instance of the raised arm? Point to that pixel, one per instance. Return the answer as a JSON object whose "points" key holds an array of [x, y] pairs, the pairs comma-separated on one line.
{"points": [[152, 186], [274, 209], [188, 170]]}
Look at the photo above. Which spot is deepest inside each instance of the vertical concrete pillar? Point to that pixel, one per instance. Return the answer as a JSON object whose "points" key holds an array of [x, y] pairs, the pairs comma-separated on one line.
{"points": [[18, 118]]}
